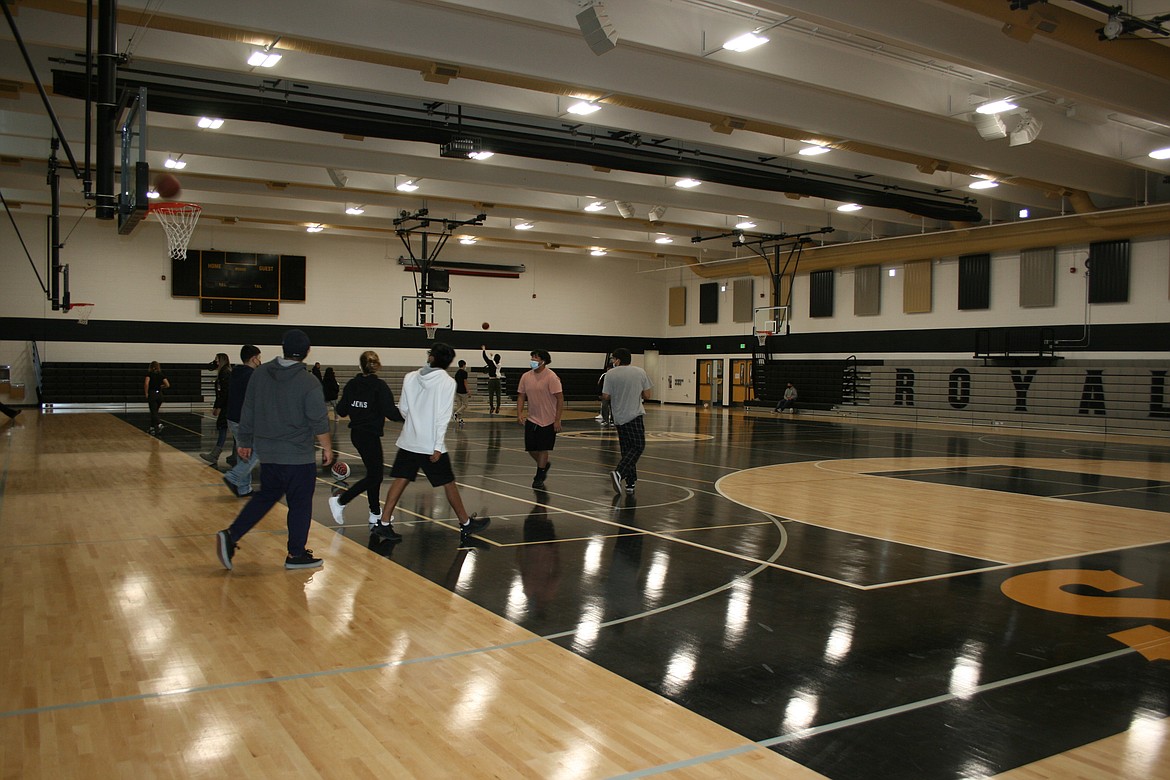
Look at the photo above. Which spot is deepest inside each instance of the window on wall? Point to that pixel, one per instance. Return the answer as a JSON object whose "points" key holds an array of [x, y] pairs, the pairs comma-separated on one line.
{"points": [[974, 282], [709, 302], [1108, 269], [820, 294]]}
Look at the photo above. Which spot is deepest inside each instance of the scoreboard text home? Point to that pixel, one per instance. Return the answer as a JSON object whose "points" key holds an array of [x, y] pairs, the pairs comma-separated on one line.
{"points": [[238, 282]]}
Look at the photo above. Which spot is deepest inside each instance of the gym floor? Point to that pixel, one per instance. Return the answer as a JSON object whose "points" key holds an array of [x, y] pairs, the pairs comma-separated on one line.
{"points": [[863, 600]]}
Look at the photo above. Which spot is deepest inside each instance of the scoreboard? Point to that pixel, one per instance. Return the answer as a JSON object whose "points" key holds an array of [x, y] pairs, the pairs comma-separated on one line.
{"points": [[238, 282]]}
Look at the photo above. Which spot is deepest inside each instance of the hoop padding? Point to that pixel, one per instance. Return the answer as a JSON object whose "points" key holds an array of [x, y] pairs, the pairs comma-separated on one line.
{"points": [[762, 336], [432, 328], [84, 310], [178, 220]]}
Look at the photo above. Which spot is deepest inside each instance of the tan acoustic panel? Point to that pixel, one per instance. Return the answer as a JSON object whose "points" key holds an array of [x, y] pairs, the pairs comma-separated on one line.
{"points": [[867, 291], [742, 300], [677, 306], [918, 287], [1038, 277]]}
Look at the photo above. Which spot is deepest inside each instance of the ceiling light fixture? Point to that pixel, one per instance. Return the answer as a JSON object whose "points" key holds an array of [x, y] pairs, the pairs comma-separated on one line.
{"points": [[152, 193], [990, 127], [1024, 213], [745, 42], [583, 108], [316, 227], [407, 186], [812, 150], [355, 210], [1161, 154], [1026, 131], [996, 107], [264, 58], [664, 240], [525, 226], [687, 183], [656, 213], [983, 184], [849, 207], [625, 208], [467, 240], [744, 224], [480, 155], [598, 252], [176, 163], [595, 206], [210, 123]]}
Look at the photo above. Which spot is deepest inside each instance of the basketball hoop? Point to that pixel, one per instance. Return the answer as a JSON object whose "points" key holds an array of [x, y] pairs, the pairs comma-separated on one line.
{"points": [[84, 310], [432, 329], [762, 336], [178, 220]]}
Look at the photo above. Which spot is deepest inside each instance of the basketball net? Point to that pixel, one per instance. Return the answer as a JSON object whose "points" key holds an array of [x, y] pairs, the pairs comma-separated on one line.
{"points": [[178, 220], [762, 336], [432, 328], [83, 311]]}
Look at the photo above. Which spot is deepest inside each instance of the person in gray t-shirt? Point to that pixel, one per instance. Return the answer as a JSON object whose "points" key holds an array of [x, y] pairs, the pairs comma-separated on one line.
{"points": [[625, 387]]}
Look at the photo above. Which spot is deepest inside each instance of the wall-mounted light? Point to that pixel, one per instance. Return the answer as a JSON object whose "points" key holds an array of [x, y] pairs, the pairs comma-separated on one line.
{"points": [[893, 272], [210, 123], [263, 58], [687, 183], [745, 42], [723, 287], [584, 108]]}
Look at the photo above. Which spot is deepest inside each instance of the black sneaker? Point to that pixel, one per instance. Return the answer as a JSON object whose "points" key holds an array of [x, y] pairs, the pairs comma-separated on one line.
{"points": [[303, 561], [225, 548], [231, 486], [617, 481], [387, 532], [629, 490], [473, 526]]}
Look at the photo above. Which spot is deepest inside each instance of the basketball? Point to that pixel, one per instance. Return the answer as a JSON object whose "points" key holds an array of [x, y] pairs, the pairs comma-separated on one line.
{"points": [[340, 469], [167, 186], [485, 326]]}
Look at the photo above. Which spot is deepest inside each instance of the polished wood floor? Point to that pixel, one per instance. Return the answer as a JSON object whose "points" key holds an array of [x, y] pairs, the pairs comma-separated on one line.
{"points": [[782, 598]]}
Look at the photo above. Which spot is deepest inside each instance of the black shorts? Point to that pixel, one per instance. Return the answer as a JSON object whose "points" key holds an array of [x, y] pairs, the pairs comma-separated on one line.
{"points": [[539, 438], [407, 464]]}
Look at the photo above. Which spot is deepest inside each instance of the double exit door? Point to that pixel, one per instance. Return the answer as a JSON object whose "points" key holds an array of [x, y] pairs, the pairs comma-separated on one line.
{"points": [[711, 381]]}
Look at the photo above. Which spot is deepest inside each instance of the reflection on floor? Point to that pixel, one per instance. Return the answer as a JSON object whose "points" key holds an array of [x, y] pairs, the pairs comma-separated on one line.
{"points": [[858, 655]]}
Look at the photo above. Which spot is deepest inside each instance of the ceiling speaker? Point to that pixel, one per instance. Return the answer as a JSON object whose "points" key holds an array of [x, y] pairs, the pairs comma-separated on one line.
{"points": [[597, 29]]}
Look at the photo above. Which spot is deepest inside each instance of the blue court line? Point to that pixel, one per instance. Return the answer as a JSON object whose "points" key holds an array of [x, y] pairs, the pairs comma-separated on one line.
{"points": [[264, 681]]}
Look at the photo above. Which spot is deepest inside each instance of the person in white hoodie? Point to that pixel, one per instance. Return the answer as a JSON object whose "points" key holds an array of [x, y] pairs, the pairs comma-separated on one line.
{"points": [[427, 400]]}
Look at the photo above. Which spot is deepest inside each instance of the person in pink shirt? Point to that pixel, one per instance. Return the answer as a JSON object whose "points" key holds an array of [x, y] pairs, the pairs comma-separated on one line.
{"points": [[541, 390]]}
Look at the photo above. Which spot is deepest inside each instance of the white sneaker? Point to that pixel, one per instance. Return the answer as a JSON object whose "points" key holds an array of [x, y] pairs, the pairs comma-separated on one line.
{"points": [[375, 518], [337, 509]]}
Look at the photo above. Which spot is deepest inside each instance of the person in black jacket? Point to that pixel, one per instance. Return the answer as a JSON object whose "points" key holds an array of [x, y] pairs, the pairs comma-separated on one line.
{"points": [[239, 478], [223, 376], [494, 381], [368, 402]]}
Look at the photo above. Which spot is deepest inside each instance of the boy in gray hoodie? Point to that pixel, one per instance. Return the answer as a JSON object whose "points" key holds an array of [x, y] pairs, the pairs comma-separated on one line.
{"points": [[284, 410], [427, 402]]}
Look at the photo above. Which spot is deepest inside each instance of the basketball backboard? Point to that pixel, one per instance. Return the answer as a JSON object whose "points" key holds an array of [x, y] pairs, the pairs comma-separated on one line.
{"points": [[133, 202], [770, 319], [420, 311]]}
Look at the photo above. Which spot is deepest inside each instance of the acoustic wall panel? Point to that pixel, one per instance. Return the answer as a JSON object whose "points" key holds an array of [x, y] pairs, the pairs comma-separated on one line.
{"points": [[709, 302], [677, 306], [820, 294], [1038, 277], [867, 291], [918, 287], [1108, 268], [742, 300], [974, 282]]}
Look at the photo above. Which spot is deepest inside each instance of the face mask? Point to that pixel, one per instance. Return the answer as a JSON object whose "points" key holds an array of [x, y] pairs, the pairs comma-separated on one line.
{"points": [[534, 364]]}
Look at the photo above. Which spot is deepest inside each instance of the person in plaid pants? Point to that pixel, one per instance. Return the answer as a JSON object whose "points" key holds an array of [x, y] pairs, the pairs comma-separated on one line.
{"points": [[626, 387]]}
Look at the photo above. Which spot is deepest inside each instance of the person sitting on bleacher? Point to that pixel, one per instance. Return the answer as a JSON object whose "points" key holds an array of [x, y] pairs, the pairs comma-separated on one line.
{"points": [[789, 399]]}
